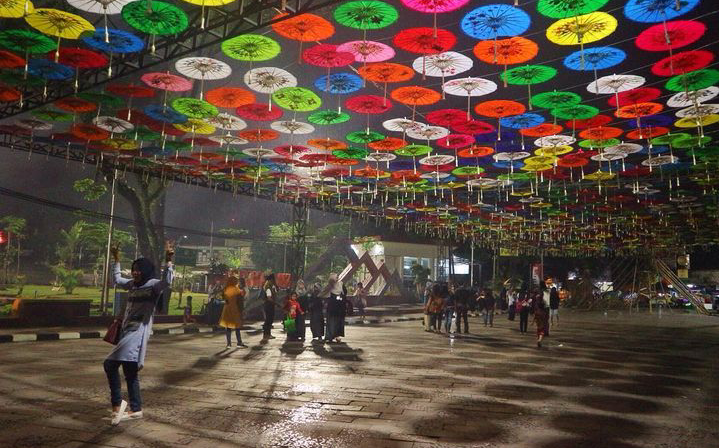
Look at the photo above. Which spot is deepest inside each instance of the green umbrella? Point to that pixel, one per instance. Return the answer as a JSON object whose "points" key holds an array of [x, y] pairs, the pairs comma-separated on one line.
{"points": [[603, 143], [515, 176], [692, 142], [194, 108], [15, 78], [366, 14], [413, 150], [364, 137], [528, 75], [102, 99], [552, 100], [696, 80], [297, 99], [561, 9], [24, 41], [670, 139], [51, 115], [328, 117], [251, 47], [144, 134], [578, 112], [351, 153], [155, 17], [176, 145], [467, 171]]}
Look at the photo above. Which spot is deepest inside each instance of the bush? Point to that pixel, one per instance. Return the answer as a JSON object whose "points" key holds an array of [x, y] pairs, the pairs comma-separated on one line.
{"points": [[68, 278]]}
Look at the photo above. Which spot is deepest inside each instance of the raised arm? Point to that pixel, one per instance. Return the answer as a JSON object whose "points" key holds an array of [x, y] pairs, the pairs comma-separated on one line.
{"points": [[168, 273], [120, 281]]}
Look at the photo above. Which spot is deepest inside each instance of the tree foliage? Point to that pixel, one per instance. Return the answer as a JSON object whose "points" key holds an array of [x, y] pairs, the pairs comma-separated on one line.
{"points": [[91, 190]]}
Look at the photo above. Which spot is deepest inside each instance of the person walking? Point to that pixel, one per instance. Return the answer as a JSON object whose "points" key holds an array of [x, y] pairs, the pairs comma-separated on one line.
{"points": [[554, 306], [145, 295], [433, 309], [541, 321], [269, 295], [461, 308], [512, 304], [234, 295], [489, 306], [361, 299], [317, 315], [336, 309], [523, 309], [303, 298], [448, 308], [293, 311]]}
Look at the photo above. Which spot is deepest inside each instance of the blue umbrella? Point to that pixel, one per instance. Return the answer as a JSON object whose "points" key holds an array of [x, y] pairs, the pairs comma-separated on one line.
{"points": [[49, 70], [652, 11], [522, 121], [505, 135], [339, 83], [118, 41], [655, 150], [506, 165], [492, 21], [651, 120], [398, 165], [595, 58], [164, 114]]}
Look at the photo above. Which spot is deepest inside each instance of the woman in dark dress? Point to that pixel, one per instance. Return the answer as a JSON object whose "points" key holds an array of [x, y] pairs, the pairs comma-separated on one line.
{"points": [[303, 298], [336, 310], [317, 316]]}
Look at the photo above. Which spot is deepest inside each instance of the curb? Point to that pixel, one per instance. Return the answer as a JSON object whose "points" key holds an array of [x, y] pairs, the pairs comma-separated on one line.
{"points": [[43, 336]]}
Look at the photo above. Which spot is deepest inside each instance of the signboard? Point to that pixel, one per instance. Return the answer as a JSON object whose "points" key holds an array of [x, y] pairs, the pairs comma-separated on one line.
{"points": [[185, 256], [507, 252], [683, 266], [536, 274]]}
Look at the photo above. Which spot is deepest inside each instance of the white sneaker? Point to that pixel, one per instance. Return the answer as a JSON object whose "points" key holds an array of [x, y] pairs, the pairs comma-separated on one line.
{"points": [[228, 346], [131, 416], [117, 416]]}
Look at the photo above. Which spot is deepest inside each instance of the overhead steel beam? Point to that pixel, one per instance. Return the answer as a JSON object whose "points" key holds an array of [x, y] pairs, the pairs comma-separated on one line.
{"points": [[222, 23]]}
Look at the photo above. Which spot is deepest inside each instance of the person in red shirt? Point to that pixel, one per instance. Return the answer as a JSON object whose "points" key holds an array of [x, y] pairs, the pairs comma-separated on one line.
{"points": [[293, 309]]}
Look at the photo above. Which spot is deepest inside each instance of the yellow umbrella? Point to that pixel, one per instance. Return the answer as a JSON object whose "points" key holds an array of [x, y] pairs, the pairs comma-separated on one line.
{"points": [[14, 9], [58, 23], [580, 30], [196, 127], [204, 3], [553, 150], [540, 160], [694, 122]]}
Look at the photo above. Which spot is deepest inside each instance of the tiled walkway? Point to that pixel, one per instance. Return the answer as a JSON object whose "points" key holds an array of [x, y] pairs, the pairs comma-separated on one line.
{"points": [[600, 381]]}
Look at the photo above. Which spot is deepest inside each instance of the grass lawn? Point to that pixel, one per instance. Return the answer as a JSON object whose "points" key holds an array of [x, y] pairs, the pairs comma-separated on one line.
{"points": [[88, 292]]}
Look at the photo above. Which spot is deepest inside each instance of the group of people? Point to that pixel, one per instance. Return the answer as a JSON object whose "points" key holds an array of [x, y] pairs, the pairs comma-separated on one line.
{"points": [[447, 303], [325, 305]]}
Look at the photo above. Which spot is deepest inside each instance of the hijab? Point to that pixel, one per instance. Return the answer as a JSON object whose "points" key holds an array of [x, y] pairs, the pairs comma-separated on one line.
{"points": [[146, 269], [300, 288]]}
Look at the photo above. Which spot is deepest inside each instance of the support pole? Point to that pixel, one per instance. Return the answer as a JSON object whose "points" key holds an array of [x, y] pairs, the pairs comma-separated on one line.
{"points": [[104, 299], [471, 265]]}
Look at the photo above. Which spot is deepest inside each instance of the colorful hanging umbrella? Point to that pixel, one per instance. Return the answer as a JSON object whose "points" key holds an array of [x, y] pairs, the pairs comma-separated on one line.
{"points": [[112, 124], [387, 144], [155, 17], [615, 83], [652, 11], [166, 81], [601, 133], [684, 62], [473, 127], [561, 9], [581, 30], [577, 112], [292, 127], [686, 99], [596, 58], [528, 75], [446, 117], [80, 58], [326, 55], [52, 115], [229, 97], [251, 47], [364, 136], [26, 42], [448, 63], [699, 79], [164, 114], [49, 70], [368, 104], [499, 109], [202, 69], [670, 35], [14, 9], [327, 117], [339, 83], [269, 79], [367, 50], [60, 24], [113, 41], [424, 40], [226, 122], [469, 87], [258, 112], [514, 50], [493, 21], [634, 96], [543, 130], [326, 144], [415, 96], [75, 104], [523, 121], [366, 14], [89, 132], [303, 27], [297, 99], [350, 153], [551, 100]]}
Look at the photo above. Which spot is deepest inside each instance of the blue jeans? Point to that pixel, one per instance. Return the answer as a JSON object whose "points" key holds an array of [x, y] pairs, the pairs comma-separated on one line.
{"points": [[448, 315], [489, 316], [129, 368]]}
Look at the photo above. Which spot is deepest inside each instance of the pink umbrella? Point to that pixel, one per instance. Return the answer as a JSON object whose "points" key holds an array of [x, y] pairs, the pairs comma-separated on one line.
{"points": [[167, 82], [434, 6], [327, 55], [367, 50]]}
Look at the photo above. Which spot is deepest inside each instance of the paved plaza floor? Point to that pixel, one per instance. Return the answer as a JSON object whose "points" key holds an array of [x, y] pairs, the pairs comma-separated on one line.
{"points": [[614, 381]]}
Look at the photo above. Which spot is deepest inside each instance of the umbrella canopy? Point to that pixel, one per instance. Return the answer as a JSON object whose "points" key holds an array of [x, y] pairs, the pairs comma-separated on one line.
{"points": [[258, 112], [514, 50], [339, 83], [326, 117], [561, 9], [251, 47], [326, 55], [269, 79], [304, 27], [493, 21], [699, 79], [166, 81], [368, 104], [155, 17], [229, 97], [367, 50], [25, 41], [366, 14], [61, 24], [448, 63], [113, 41], [424, 40], [670, 35], [652, 11], [686, 61], [297, 99], [597, 58]]}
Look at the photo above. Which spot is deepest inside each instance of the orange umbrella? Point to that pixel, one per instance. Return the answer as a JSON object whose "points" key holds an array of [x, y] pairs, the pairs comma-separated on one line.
{"points": [[304, 28], [259, 135], [648, 132], [387, 144], [499, 109], [515, 50], [638, 111], [601, 133], [326, 143], [542, 130], [75, 104], [416, 96], [229, 97], [89, 132], [476, 151], [386, 72]]}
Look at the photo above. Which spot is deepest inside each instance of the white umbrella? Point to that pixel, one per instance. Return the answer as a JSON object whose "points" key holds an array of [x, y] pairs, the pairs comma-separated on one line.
{"points": [[555, 140], [202, 69], [469, 87], [269, 80], [112, 124], [402, 125], [259, 153], [698, 111], [686, 99], [229, 139], [227, 122], [626, 148], [33, 125], [659, 160], [449, 63], [292, 127], [613, 84], [104, 7], [428, 133]]}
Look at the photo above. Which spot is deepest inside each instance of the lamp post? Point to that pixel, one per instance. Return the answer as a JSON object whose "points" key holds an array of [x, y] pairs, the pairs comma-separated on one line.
{"points": [[106, 280]]}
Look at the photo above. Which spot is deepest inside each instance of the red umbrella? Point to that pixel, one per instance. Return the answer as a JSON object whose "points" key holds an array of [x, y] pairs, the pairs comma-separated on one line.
{"points": [[326, 55], [387, 144], [670, 36], [259, 135], [201, 141], [634, 96], [75, 104], [601, 133], [648, 132], [291, 150], [131, 91], [542, 130], [473, 127], [135, 116], [89, 132], [424, 40], [164, 128], [597, 120], [8, 94], [10, 60], [455, 141], [258, 112], [368, 104], [79, 58], [680, 63], [447, 117]]}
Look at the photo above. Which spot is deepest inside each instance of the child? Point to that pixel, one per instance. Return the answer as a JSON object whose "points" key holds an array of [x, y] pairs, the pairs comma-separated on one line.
{"points": [[541, 320], [361, 299], [187, 315], [293, 308]]}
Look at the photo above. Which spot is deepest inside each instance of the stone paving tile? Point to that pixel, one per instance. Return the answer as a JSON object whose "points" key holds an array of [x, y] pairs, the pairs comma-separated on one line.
{"points": [[615, 382]]}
